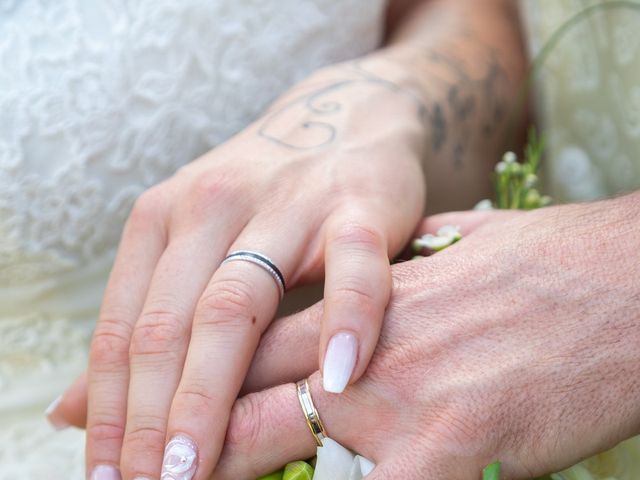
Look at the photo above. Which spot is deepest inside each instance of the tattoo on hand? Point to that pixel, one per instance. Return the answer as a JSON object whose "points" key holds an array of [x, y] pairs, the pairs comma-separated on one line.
{"points": [[315, 128], [471, 105]]}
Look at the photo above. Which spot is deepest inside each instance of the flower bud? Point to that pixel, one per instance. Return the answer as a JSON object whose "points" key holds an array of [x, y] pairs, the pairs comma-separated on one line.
{"points": [[509, 157], [530, 180], [532, 200]]}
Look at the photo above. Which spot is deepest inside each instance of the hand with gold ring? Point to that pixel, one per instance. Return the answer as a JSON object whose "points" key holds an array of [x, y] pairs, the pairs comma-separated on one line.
{"points": [[489, 351]]}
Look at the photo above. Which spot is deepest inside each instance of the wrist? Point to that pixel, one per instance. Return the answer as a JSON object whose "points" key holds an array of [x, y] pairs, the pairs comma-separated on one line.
{"points": [[352, 101]]}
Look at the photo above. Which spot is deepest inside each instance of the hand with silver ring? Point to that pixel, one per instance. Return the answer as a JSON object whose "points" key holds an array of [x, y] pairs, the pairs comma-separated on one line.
{"points": [[205, 259], [328, 185]]}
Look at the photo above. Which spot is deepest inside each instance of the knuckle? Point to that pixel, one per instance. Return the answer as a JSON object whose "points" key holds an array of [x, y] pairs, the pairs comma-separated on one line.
{"points": [[147, 437], [157, 332], [357, 297], [355, 293], [105, 431], [226, 302], [244, 424], [215, 187], [357, 234], [148, 207], [110, 344], [196, 399]]}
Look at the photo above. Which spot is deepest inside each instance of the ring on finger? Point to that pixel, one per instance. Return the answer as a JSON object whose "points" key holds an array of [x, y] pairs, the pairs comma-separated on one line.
{"points": [[311, 415], [263, 262]]}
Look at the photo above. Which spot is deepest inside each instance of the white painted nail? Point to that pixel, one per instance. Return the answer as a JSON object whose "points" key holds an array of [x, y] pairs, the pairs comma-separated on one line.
{"points": [[339, 362], [55, 419], [105, 472], [180, 459]]}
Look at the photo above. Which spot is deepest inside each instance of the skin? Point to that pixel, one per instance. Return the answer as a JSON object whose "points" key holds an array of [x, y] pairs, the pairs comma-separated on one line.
{"points": [[327, 187], [517, 344]]}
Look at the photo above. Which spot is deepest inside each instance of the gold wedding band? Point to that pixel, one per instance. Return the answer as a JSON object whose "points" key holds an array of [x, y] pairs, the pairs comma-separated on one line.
{"points": [[310, 412]]}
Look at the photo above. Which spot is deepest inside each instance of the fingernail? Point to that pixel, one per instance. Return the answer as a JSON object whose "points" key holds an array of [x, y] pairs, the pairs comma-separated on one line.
{"points": [[105, 472], [54, 417], [339, 362], [180, 459]]}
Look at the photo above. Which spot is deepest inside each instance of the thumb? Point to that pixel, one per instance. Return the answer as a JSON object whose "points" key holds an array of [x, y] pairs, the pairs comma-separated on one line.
{"points": [[70, 410]]}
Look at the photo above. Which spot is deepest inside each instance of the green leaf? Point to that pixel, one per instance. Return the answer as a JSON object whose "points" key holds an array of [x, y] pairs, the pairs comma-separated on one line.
{"points": [[298, 471], [491, 472]]}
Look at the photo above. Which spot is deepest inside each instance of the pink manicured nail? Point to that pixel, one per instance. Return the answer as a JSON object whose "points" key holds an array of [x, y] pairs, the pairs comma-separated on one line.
{"points": [[180, 459], [339, 362], [55, 419], [105, 472]]}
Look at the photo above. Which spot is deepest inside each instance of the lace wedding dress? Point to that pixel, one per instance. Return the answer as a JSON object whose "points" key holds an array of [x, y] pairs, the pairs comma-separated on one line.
{"points": [[98, 101]]}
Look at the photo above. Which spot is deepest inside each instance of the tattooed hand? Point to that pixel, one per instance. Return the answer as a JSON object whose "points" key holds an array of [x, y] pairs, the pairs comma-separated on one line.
{"points": [[329, 184], [325, 185]]}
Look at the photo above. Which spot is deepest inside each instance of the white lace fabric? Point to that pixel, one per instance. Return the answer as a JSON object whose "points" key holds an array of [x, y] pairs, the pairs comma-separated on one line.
{"points": [[98, 101]]}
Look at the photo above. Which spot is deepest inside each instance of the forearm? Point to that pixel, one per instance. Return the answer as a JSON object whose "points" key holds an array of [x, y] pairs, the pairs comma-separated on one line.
{"points": [[467, 59]]}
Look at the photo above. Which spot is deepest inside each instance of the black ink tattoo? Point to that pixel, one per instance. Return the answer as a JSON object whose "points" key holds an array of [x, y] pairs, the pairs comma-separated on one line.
{"points": [[438, 126], [315, 111], [465, 95]]}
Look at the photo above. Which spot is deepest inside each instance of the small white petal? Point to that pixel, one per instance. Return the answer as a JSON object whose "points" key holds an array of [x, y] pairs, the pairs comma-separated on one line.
{"points": [[435, 243], [485, 204], [449, 231], [509, 157]]}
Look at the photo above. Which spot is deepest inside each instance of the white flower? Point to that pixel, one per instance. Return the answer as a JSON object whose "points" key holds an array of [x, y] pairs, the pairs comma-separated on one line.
{"points": [[337, 463], [485, 204], [509, 157], [446, 236]]}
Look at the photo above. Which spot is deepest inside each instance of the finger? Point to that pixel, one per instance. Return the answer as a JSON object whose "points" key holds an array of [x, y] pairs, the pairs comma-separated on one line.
{"points": [[288, 351], [159, 346], [357, 291], [468, 221], [143, 242], [268, 429], [236, 307], [70, 409]]}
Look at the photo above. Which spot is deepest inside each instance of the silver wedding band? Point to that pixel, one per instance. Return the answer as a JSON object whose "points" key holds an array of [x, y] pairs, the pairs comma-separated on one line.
{"points": [[263, 262]]}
